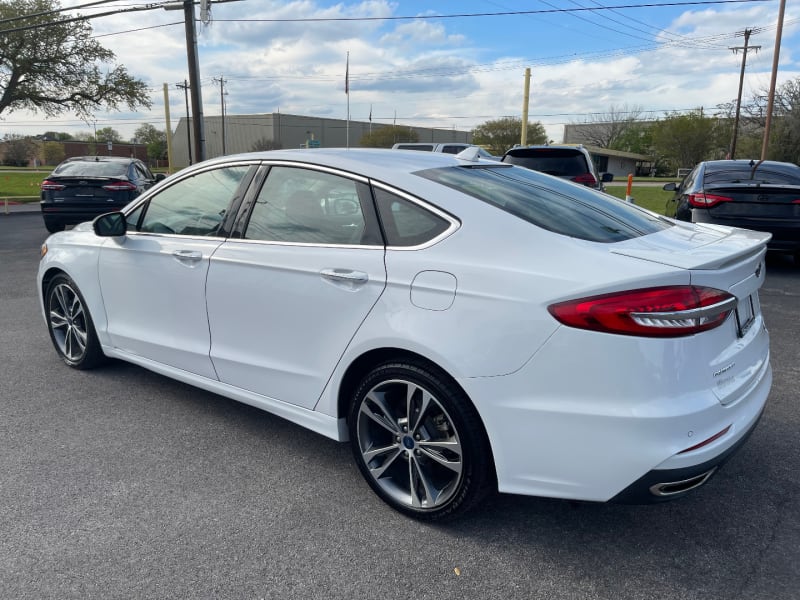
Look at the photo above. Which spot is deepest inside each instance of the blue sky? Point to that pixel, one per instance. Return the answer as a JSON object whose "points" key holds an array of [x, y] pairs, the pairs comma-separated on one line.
{"points": [[443, 72]]}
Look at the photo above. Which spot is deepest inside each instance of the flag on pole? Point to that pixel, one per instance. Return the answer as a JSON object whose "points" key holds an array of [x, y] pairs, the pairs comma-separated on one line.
{"points": [[347, 76], [370, 113]]}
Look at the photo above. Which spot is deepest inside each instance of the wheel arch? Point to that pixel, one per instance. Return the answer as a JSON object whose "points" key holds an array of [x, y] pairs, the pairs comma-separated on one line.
{"points": [[367, 361]]}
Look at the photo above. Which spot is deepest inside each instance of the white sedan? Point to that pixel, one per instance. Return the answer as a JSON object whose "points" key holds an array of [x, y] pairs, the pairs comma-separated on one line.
{"points": [[467, 325]]}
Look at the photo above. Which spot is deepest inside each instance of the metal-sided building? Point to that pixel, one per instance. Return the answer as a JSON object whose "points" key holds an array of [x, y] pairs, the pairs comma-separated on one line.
{"points": [[243, 132]]}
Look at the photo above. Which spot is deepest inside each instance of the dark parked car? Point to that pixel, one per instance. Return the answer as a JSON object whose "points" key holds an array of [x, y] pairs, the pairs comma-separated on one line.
{"points": [[81, 188], [568, 162], [760, 195]]}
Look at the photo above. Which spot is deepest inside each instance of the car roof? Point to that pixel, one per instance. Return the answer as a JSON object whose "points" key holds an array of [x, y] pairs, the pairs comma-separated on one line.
{"points": [[378, 162]]}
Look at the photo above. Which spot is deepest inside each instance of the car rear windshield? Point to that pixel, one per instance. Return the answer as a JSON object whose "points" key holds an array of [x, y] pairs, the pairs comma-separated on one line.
{"points": [[561, 162], [762, 174], [558, 206], [88, 168]]}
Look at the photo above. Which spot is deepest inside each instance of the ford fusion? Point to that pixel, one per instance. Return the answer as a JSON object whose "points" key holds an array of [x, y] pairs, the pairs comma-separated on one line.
{"points": [[466, 325]]}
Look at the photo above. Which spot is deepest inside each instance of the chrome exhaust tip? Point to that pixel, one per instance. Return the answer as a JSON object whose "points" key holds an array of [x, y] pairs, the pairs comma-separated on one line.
{"points": [[673, 488]]}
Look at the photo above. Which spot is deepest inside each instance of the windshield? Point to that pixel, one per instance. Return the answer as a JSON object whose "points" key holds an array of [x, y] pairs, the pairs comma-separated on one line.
{"points": [[552, 204]]}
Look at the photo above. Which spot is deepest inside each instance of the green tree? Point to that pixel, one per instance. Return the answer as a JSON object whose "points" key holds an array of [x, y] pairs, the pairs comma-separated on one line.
{"points": [[57, 136], [154, 139], [108, 134], [499, 135], [388, 135], [58, 67], [686, 139], [638, 138], [52, 153]]}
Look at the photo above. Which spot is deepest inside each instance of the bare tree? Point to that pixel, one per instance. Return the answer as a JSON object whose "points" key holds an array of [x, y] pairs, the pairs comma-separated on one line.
{"points": [[605, 130]]}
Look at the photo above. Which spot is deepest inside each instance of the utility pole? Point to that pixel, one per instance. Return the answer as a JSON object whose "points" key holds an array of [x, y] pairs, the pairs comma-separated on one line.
{"points": [[185, 87], [744, 49], [170, 160], [773, 79], [194, 81], [526, 96], [221, 81]]}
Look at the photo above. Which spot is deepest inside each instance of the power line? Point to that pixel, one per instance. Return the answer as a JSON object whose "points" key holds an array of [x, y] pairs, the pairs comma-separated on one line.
{"points": [[509, 13]]}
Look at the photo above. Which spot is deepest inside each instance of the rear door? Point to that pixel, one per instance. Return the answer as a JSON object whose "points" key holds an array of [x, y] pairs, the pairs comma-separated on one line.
{"points": [[286, 299]]}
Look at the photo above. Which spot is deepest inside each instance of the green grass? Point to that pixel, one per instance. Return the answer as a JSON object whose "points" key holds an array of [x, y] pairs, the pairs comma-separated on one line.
{"points": [[21, 185], [652, 198]]}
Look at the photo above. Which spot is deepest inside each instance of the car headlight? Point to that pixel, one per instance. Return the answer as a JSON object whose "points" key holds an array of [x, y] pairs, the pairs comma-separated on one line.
{"points": [[43, 251]]}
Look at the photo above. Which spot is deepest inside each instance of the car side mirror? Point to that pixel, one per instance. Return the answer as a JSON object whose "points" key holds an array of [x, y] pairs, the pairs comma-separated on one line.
{"points": [[606, 177], [160, 177], [670, 187], [111, 224]]}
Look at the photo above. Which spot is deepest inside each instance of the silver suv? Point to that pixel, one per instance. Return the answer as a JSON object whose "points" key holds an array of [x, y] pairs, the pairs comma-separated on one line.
{"points": [[568, 162]]}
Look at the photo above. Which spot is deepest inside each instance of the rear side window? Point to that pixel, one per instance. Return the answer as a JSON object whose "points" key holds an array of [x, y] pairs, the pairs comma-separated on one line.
{"points": [[405, 223], [558, 161], [557, 206]]}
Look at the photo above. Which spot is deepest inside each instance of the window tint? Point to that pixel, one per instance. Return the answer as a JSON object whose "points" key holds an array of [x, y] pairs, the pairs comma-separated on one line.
{"points": [[406, 223], [453, 149], [195, 205], [557, 206], [91, 168], [762, 174], [309, 207], [558, 162]]}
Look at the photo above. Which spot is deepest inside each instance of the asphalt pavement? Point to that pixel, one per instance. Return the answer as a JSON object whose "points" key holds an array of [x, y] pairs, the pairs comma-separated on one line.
{"points": [[119, 483]]}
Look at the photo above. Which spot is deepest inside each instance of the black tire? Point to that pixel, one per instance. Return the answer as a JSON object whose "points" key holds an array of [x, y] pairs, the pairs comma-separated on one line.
{"points": [[70, 324], [54, 226], [419, 442]]}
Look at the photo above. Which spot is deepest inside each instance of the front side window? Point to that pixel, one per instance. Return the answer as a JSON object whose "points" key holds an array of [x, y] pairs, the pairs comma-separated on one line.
{"points": [[551, 204], [304, 206], [193, 206]]}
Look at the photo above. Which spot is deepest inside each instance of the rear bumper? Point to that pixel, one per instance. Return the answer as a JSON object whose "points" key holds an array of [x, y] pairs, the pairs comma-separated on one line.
{"points": [[70, 215], [661, 485]]}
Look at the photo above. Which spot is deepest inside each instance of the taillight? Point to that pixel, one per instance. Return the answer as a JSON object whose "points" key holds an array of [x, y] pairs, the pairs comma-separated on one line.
{"points": [[51, 186], [703, 200], [119, 186], [585, 179], [652, 312]]}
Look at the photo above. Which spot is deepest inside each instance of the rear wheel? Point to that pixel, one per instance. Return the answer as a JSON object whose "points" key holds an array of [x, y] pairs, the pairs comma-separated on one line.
{"points": [[70, 325], [419, 442]]}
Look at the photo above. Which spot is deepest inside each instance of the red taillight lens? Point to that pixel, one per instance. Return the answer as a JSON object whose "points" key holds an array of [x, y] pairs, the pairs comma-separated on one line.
{"points": [[653, 312], [119, 186], [51, 186], [703, 200], [585, 179]]}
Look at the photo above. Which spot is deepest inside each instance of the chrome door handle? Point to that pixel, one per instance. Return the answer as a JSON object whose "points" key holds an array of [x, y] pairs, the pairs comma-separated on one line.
{"points": [[345, 275], [192, 255]]}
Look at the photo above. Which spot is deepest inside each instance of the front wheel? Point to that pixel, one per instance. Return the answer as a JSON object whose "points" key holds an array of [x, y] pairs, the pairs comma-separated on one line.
{"points": [[70, 325], [419, 442]]}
